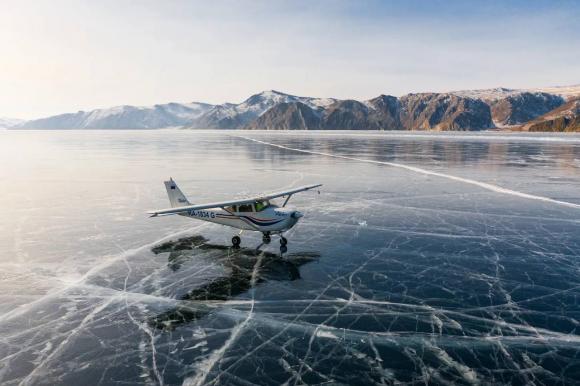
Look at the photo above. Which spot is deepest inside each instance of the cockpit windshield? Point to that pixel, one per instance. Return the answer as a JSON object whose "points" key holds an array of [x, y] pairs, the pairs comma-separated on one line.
{"points": [[261, 205]]}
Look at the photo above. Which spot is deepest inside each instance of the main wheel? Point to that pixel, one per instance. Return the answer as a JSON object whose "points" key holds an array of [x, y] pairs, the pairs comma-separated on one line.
{"points": [[236, 241], [283, 240], [266, 239]]}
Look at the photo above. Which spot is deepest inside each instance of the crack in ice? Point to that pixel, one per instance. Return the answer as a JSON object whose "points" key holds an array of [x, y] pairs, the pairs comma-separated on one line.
{"points": [[484, 185]]}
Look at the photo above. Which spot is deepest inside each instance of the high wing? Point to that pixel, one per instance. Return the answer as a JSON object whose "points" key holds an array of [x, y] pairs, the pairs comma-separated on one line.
{"points": [[287, 192], [222, 204]]}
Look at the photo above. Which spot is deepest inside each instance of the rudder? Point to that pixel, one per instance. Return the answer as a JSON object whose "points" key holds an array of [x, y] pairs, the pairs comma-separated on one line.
{"points": [[176, 196]]}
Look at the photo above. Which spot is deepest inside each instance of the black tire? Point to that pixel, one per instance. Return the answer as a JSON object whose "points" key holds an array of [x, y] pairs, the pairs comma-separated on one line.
{"points": [[283, 249], [283, 241], [266, 239], [236, 241]]}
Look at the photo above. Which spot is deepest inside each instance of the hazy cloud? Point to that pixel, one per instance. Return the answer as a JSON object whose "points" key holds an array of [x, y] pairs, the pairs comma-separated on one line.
{"points": [[61, 56]]}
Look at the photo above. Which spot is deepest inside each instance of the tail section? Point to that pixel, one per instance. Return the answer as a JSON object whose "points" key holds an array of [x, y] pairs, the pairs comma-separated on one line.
{"points": [[176, 197]]}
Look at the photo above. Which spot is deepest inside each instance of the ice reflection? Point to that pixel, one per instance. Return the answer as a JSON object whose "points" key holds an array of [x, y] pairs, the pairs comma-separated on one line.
{"points": [[247, 267], [444, 152]]}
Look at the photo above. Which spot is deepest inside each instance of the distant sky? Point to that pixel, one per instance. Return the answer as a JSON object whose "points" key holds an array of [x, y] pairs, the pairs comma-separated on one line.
{"points": [[62, 56]]}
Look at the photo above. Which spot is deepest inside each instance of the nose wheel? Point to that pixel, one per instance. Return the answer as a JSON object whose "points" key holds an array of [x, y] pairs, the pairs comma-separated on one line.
{"points": [[236, 241], [283, 242]]}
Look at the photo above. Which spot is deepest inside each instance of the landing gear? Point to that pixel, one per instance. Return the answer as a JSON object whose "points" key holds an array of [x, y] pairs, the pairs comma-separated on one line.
{"points": [[283, 242], [236, 241], [266, 238]]}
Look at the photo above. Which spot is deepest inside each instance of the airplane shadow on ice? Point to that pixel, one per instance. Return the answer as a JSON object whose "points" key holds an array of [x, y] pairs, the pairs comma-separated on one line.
{"points": [[241, 264]]}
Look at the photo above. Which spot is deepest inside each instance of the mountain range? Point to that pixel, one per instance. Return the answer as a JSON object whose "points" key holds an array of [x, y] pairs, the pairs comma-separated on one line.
{"points": [[273, 110]]}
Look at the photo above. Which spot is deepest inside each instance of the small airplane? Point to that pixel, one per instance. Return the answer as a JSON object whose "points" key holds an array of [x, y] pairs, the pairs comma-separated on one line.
{"points": [[252, 214]]}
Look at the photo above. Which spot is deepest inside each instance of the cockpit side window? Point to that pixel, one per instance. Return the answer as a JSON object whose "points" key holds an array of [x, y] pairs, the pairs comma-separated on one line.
{"points": [[245, 208]]}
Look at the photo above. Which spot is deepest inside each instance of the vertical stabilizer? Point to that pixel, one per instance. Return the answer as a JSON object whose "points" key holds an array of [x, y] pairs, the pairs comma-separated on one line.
{"points": [[176, 197]]}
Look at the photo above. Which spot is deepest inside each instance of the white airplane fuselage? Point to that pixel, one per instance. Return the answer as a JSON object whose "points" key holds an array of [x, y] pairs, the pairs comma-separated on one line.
{"points": [[271, 219]]}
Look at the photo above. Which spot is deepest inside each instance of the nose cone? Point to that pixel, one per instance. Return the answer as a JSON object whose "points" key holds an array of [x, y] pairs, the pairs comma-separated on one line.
{"points": [[297, 214]]}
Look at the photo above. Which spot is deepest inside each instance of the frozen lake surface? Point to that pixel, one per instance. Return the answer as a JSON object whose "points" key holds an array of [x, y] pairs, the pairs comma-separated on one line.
{"points": [[427, 258]]}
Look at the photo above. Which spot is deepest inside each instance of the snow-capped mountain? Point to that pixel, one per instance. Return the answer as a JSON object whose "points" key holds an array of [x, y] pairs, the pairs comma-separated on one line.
{"points": [[511, 107], [6, 123], [488, 95], [123, 117], [494, 94], [237, 116], [566, 92]]}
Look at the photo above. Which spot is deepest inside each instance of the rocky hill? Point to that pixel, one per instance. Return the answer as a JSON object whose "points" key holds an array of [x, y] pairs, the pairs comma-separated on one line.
{"points": [[288, 116], [444, 112], [565, 118], [348, 115], [513, 107], [523, 107]]}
